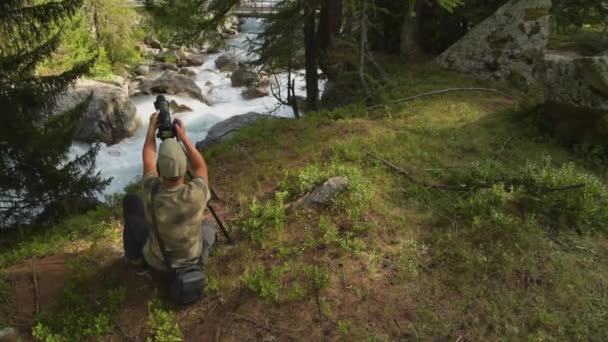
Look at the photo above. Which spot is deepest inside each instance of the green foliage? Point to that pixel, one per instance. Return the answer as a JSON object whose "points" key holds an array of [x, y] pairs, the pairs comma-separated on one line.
{"points": [[116, 29], [264, 218], [162, 324], [267, 285], [188, 22], [36, 172], [536, 193], [45, 241], [320, 276], [81, 318]]}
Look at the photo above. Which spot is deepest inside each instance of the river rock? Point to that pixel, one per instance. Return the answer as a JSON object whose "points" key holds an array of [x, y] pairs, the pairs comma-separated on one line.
{"points": [[110, 115], [168, 56], [153, 43], [142, 69], [227, 62], [323, 195], [195, 59], [254, 92], [177, 108], [576, 95], [244, 77], [188, 71], [173, 83], [508, 45], [226, 129]]}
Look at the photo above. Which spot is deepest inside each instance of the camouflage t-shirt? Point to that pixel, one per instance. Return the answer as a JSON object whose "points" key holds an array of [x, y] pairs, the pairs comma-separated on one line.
{"points": [[179, 213]]}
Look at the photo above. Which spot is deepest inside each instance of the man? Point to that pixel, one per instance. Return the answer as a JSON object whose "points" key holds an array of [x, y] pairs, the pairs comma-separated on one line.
{"points": [[179, 206]]}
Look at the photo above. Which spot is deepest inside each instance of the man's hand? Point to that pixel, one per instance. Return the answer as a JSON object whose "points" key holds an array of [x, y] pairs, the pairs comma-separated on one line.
{"points": [[180, 130], [149, 151]]}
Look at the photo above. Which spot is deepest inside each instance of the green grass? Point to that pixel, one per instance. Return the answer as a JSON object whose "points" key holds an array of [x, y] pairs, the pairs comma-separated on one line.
{"points": [[393, 258]]}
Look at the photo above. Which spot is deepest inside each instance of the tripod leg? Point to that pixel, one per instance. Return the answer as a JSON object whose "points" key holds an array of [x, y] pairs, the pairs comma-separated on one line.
{"points": [[219, 223]]}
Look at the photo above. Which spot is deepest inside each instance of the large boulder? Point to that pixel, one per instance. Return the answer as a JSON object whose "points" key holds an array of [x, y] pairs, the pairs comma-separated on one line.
{"points": [[576, 95], [508, 45], [227, 62], [244, 77], [226, 129], [174, 83], [109, 117]]}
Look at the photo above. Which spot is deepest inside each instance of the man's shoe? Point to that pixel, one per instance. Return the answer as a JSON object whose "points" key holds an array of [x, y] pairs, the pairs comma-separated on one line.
{"points": [[140, 269]]}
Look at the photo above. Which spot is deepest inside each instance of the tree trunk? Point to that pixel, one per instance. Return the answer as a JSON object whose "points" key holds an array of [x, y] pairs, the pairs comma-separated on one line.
{"points": [[330, 21], [363, 50], [409, 33], [311, 55]]}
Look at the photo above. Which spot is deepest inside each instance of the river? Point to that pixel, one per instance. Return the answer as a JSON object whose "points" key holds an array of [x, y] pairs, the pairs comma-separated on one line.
{"points": [[123, 161]]}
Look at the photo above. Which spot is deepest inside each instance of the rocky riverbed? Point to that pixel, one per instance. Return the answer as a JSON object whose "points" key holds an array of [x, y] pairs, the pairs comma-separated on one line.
{"points": [[207, 89]]}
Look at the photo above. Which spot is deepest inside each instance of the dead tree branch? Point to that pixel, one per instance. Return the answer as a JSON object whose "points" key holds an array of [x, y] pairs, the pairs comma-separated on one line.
{"points": [[437, 92]]}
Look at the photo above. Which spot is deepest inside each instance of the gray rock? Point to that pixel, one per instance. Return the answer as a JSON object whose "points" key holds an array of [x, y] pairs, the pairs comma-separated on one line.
{"points": [[168, 66], [9, 334], [226, 129], [507, 46], [195, 60], [187, 71], [173, 83], [153, 43], [177, 108], [227, 62], [244, 77], [323, 195], [142, 69], [169, 56], [254, 92], [139, 78], [110, 115], [576, 94]]}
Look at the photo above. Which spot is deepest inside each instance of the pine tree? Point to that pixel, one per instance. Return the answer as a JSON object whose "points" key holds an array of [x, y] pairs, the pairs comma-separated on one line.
{"points": [[36, 172]]}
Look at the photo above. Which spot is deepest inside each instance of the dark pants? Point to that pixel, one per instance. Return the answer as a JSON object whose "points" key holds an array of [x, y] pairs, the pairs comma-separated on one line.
{"points": [[135, 232]]}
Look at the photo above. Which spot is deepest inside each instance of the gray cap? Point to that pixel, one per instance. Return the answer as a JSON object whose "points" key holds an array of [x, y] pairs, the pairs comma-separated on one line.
{"points": [[172, 160]]}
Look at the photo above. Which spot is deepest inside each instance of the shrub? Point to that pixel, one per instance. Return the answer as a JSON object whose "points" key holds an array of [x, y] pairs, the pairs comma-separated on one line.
{"points": [[265, 217], [534, 194], [162, 324], [266, 284]]}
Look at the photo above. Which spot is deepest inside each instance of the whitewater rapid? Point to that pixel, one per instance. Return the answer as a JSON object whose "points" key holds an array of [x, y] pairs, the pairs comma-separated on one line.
{"points": [[123, 161]]}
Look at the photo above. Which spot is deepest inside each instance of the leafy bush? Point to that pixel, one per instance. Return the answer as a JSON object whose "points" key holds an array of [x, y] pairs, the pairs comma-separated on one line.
{"points": [[161, 324], [80, 319], [534, 194], [265, 217], [266, 284]]}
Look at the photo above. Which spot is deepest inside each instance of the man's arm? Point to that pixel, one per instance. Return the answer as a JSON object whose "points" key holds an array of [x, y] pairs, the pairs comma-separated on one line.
{"points": [[198, 163], [149, 152]]}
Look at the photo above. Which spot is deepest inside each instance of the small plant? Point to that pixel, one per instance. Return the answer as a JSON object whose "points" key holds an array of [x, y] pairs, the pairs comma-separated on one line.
{"points": [[320, 276], [408, 260], [161, 324], [265, 217], [81, 318], [266, 284]]}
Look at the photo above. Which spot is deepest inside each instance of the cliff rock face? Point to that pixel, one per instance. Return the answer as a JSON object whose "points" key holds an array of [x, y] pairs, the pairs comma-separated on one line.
{"points": [[508, 45], [576, 95]]}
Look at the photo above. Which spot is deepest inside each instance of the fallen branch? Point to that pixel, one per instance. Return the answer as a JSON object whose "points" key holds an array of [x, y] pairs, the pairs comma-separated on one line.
{"points": [[414, 180], [437, 92], [262, 325], [463, 187], [36, 292]]}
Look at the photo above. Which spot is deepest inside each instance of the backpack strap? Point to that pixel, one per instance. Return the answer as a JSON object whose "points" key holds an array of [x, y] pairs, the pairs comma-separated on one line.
{"points": [[161, 244]]}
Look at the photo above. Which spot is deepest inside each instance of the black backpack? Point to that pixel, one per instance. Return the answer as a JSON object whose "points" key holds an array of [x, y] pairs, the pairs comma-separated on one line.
{"points": [[186, 283]]}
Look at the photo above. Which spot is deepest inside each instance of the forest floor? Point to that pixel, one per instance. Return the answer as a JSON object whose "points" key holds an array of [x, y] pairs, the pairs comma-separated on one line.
{"points": [[392, 259]]}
